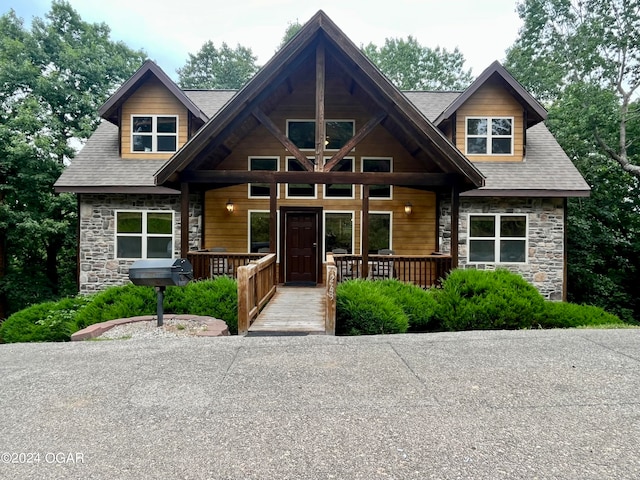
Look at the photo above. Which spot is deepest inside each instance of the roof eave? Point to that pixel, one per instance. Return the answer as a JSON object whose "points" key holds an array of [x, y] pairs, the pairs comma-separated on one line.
{"points": [[530, 193]]}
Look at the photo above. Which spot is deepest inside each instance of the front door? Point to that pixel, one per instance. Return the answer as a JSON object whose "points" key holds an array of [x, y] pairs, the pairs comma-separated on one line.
{"points": [[301, 247]]}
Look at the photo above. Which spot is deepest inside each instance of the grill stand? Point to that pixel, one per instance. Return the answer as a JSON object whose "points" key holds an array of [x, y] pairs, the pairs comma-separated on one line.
{"points": [[160, 308]]}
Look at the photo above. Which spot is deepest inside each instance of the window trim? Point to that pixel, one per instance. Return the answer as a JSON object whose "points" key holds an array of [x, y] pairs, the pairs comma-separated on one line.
{"points": [[315, 186], [353, 187], [263, 157], [313, 121], [154, 133], [259, 210], [497, 238], [489, 136], [144, 234], [324, 229], [362, 159], [378, 212]]}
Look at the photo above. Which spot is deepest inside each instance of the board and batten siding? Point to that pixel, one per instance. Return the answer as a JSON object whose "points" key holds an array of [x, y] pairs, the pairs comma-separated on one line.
{"points": [[152, 98], [491, 100]]}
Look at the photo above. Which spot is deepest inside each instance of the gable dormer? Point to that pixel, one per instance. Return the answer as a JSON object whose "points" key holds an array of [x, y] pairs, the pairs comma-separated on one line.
{"points": [[155, 118], [488, 121]]}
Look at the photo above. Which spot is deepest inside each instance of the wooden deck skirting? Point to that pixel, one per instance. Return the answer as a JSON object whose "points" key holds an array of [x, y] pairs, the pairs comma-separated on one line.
{"points": [[256, 286]]}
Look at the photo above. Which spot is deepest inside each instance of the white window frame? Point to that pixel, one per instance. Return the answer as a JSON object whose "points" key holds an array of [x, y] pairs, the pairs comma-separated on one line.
{"points": [[154, 133], [497, 238], [249, 212], [315, 186], [489, 136], [324, 229], [144, 234], [379, 212], [390, 197], [263, 157], [353, 187], [313, 121]]}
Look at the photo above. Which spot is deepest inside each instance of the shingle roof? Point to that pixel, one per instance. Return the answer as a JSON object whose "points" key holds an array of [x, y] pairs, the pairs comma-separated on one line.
{"points": [[546, 171]]}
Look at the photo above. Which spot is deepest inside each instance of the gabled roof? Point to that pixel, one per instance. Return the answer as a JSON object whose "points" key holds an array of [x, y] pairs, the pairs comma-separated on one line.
{"points": [[402, 115], [109, 111], [536, 113]]}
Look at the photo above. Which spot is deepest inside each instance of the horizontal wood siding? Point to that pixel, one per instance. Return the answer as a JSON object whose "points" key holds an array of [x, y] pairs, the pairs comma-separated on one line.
{"points": [[152, 98], [492, 100]]}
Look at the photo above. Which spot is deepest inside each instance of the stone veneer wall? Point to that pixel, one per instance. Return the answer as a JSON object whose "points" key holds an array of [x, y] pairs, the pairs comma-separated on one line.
{"points": [[99, 268], [545, 267]]}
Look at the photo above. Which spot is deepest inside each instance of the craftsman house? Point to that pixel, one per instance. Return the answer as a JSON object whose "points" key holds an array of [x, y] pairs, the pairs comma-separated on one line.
{"points": [[320, 153]]}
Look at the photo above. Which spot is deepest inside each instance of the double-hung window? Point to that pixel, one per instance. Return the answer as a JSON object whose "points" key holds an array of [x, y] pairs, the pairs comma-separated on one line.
{"points": [[498, 238], [267, 164], [144, 234], [154, 133], [303, 133], [489, 136]]}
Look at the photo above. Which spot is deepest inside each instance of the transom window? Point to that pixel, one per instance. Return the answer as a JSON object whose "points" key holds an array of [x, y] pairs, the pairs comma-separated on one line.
{"points": [[299, 190], [303, 133], [340, 190], [498, 238], [269, 164], [154, 133], [144, 234], [338, 231], [489, 136], [378, 165]]}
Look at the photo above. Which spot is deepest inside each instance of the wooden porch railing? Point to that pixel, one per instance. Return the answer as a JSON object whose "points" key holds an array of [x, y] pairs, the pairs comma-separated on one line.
{"points": [[256, 286], [331, 274], [208, 264], [422, 270]]}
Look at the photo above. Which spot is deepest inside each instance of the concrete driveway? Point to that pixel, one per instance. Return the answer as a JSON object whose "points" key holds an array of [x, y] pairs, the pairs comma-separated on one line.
{"points": [[481, 405]]}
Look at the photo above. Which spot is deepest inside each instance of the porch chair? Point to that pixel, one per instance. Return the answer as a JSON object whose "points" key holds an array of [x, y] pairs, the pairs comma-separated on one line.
{"points": [[382, 269], [219, 266], [345, 270]]}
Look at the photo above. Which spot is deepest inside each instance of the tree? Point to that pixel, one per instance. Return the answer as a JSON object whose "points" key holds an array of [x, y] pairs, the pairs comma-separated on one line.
{"points": [[53, 79], [593, 42], [218, 68], [290, 32], [410, 66]]}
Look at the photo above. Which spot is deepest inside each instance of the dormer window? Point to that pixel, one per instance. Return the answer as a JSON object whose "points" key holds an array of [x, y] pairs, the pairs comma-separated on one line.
{"points": [[489, 136], [154, 133]]}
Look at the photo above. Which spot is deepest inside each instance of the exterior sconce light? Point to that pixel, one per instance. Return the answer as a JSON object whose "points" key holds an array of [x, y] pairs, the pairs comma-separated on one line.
{"points": [[408, 208], [230, 206]]}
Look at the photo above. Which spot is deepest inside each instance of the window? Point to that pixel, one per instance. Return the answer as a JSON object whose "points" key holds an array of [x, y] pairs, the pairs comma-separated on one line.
{"points": [[299, 190], [340, 190], [270, 164], [498, 238], [259, 229], [489, 136], [303, 133], [143, 234], [338, 231], [154, 133], [378, 165], [379, 231]]}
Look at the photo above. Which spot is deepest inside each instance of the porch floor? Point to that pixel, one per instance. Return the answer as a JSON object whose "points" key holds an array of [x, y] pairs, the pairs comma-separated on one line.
{"points": [[292, 311]]}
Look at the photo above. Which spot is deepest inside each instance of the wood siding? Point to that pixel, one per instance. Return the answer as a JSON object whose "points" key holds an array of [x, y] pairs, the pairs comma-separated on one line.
{"points": [[152, 98], [492, 100]]}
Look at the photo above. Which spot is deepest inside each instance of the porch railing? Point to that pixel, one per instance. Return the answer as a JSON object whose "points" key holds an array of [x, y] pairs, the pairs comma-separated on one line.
{"points": [[256, 286], [208, 264], [422, 270]]}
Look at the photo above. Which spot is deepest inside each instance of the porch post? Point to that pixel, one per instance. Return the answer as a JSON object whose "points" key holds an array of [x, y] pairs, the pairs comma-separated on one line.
{"points": [[455, 217], [184, 219], [273, 217], [365, 231]]}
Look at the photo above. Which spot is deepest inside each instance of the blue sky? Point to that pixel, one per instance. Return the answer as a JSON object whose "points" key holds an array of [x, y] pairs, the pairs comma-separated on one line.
{"points": [[168, 30]]}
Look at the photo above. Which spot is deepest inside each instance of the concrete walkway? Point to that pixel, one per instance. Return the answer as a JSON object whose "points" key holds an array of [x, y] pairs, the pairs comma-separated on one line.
{"points": [[494, 405]]}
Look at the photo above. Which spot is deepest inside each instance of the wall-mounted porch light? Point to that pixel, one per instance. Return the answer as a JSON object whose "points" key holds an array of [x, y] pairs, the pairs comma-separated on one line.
{"points": [[230, 206], [408, 208]]}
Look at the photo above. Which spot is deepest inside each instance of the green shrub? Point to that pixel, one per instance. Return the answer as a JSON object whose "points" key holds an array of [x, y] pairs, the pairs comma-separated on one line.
{"points": [[481, 300], [44, 322], [363, 310], [571, 315], [418, 305]]}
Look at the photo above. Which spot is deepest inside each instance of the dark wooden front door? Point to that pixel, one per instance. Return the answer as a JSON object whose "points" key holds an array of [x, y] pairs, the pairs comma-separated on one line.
{"points": [[301, 247]]}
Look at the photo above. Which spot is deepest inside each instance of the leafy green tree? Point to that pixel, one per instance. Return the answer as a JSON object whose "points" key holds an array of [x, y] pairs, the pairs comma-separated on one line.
{"points": [[53, 78], [411, 66], [594, 42], [290, 32], [222, 67]]}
